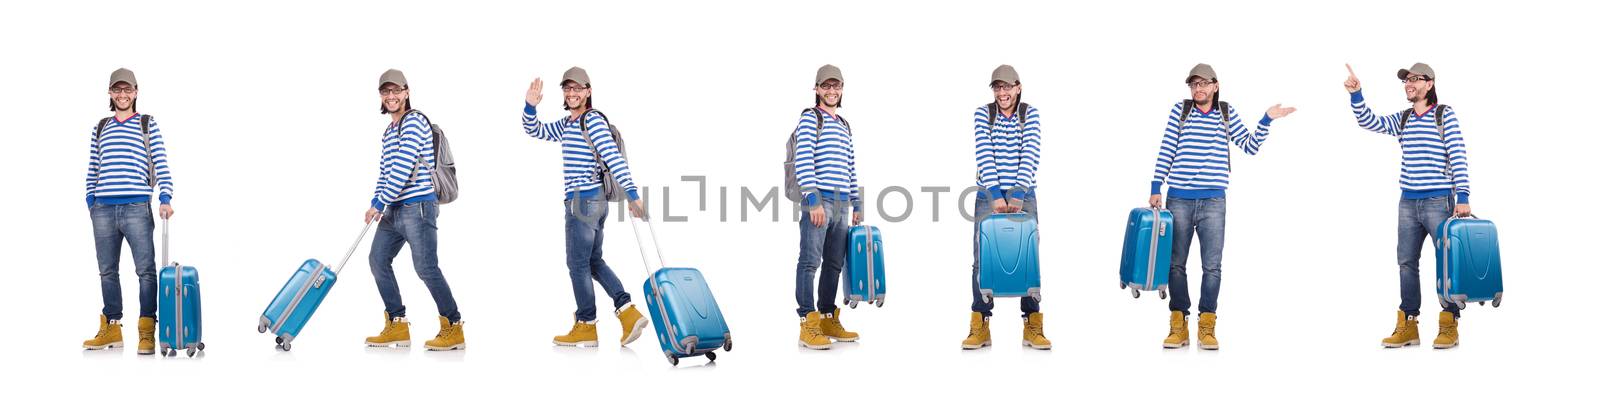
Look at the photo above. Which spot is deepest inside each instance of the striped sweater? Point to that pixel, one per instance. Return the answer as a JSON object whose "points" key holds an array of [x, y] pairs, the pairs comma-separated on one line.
{"points": [[406, 146], [580, 173], [119, 163], [1008, 153], [1194, 157], [825, 161], [1423, 151]]}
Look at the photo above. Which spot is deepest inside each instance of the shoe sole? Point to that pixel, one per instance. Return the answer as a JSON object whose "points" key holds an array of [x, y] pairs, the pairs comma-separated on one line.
{"points": [[1437, 346], [389, 344], [1403, 344], [579, 343], [1175, 346], [462, 345], [979, 346], [1209, 347], [816, 347], [149, 352], [842, 339], [103, 347], [1027, 344], [638, 329]]}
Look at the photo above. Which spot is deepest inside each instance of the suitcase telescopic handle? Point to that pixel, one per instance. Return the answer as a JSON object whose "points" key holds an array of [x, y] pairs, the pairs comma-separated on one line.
{"points": [[352, 251]]}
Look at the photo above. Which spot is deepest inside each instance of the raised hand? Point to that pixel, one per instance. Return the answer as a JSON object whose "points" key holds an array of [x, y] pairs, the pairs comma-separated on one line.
{"points": [[1279, 111], [1351, 84], [535, 92]]}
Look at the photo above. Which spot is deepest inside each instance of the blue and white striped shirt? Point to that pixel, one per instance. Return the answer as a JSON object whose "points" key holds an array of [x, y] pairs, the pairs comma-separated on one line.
{"points": [[1194, 154], [404, 145], [119, 163], [1423, 151], [825, 161], [1008, 153], [580, 173]]}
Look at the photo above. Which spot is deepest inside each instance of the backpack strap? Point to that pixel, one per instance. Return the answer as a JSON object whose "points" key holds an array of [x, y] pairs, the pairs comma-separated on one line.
{"points": [[424, 163], [1449, 167], [583, 122], [144, 127], [1022, 114]]}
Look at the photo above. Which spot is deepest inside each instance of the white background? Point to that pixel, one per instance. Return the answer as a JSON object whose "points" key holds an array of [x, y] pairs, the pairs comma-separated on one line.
{"points": [[270, 115]]}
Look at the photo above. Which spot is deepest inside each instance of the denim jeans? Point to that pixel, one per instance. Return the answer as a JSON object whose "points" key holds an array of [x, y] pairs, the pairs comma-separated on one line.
{"points": [[1418, 219], [113, 224], [826, 246], [586, 231], [413, 224], [1208, 218], [981, 210]]}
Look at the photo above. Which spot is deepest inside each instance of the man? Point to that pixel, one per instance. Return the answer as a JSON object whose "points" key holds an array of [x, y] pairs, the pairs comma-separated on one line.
{"points": [[1007, 137], [585, 136], [406, 207], [825, 168], [1195, 160], [1433, 165], [127, 158]]}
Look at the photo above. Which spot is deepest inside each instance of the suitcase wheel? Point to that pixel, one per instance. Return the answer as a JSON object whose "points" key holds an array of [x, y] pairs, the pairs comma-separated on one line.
{"points": [[201, 346], [261, 328], [727, 346], [279, 340], [1496, 302], [712, 356], [1037, 297], [1480, 303], [852, 304], [988, 298], [1135, 293], [191, 352], [1163, 294], [1122, 285], [878, 302], [283, 347], [672, 359]]}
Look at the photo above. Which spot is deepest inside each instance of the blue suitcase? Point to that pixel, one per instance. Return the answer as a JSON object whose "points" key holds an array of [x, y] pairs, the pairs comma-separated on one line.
{"points": [[299, 298], [687, 319], [178, 305], [1147, 251], [864, 267], [1467, 262], [1009, 263]]}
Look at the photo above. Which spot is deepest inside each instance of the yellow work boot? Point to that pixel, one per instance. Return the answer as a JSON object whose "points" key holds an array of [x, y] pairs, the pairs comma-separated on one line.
{"points": [[1178, 337], [110, 335], [811, 332], [450, 337], [978, 333], [1405, 332], [1033, 332], [1448, 337], [633, 323], [1208, 331], [833, 329], [583, 333], [396, 332], [147, 335]]}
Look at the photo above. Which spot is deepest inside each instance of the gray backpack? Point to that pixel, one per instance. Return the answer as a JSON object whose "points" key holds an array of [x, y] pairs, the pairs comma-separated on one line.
{"points": [[444, 175], [144, 127], [609, 189], [791, 185], [1227, 124]]}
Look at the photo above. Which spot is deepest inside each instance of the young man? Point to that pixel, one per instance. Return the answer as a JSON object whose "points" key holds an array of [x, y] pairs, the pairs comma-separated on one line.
{"points": [[825, 168], [1433, 164], [407, 211], [1195, 161], [127, 158], [585, 136], [1007, 136]]}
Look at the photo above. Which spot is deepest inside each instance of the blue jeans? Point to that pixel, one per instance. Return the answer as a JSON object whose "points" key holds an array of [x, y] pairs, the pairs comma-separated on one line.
{"points": [[1418, 219], [983, 208], [1208, 217], [413, 224], [586, 230], [113, 224], [826, 246]]}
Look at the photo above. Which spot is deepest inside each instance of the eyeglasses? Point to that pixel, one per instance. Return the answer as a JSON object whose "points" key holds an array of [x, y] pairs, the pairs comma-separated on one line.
{"points": [[1001, 86], [831, 86], [572, 88], [1201, 83], [391, 92], [122, 90], [1415, 79]]}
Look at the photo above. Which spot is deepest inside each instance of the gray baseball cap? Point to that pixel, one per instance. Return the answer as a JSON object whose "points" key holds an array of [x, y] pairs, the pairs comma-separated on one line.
{"points": [[392, 76], [123, 75], [1202, 70], [1005, 73], [576, 74], [1420, 69], [829, 72]]}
